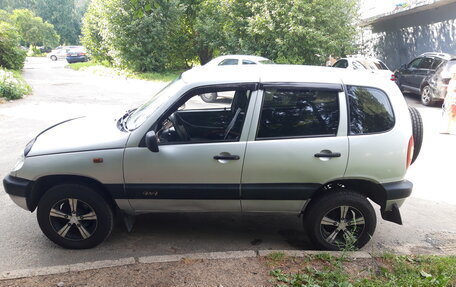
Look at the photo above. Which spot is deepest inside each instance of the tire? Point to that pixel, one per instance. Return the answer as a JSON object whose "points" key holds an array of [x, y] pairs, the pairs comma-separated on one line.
{"points": [[54, 58], [418, 131], [75, 232], [327, 229], [426, 96], [209, 98]]}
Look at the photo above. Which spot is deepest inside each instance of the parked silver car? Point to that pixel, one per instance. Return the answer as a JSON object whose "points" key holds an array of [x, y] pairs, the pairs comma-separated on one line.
{"points": [[310, 141]]}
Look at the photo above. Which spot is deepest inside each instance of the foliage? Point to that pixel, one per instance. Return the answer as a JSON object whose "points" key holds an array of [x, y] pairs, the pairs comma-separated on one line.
{"points": [[65, 15], [391, 271], [33, 30], [12, 85], [132, 35], [155, 35], [11, 55]]}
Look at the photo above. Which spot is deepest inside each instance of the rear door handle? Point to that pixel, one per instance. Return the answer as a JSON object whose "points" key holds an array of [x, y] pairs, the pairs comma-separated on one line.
{"points": [[329, 154], [226, 157]]}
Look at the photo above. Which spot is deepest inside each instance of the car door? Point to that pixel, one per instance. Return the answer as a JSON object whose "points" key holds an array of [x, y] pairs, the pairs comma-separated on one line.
{"points": [[422, 71], [408, 72], [297, 142], [201, 151]]}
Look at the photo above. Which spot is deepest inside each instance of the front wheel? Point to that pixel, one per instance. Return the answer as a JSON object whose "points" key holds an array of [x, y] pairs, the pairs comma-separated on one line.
{"points": [[340, 220], [75, 216], [426, 96], [54, 58]]}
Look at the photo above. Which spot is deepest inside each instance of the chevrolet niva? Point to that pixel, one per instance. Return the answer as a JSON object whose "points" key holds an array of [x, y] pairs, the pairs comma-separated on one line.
{"points": [[311, 141]]}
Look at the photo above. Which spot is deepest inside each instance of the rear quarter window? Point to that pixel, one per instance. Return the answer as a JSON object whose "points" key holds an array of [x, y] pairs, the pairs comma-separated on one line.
{"points": [[370, 111]]}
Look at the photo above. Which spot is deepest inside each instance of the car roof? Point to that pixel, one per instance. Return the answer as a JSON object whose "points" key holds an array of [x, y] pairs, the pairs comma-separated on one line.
{"points": [[280, 74], [444, 56], [247, 57]]}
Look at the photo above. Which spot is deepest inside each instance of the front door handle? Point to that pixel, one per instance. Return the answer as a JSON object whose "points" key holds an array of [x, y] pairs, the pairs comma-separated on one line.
{"points": [[226, 157], [327, 154]]}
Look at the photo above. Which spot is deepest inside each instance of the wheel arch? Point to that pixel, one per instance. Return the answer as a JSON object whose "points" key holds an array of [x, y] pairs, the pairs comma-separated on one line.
{"points": [[44, 183], [370, 189]]}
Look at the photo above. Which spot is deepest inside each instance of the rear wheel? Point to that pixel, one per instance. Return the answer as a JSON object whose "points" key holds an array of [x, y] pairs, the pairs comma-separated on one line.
{"points": [[74, 216], [339, 220], [54, 58], [417, 130], [426, 96]]}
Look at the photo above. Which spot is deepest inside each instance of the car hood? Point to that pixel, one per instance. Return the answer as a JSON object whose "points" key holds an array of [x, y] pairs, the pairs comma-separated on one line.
{"points": [[79, 134]]}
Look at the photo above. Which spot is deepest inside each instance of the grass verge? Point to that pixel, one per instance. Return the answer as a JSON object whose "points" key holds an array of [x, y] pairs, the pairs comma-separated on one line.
{"points": [[389, 271], [101, 69]]}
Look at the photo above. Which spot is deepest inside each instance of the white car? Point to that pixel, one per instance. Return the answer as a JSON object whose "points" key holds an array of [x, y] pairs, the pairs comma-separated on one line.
{"points": [[311, 141], [362, 63], [232, 60]]}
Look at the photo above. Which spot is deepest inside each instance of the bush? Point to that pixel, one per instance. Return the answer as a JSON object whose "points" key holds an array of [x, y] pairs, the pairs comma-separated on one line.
{"points": [[11, 55], [12, 85]]}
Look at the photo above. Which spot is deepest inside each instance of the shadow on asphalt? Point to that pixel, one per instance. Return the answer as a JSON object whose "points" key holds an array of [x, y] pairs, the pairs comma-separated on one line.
{"points": [[257, 231]]}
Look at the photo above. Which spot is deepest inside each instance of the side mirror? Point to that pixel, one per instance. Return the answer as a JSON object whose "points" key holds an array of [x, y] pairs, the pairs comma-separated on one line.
{"points": [[152, 141]]}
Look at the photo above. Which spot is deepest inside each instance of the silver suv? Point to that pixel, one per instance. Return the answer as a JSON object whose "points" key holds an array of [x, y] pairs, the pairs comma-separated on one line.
{"points": [[311, 141]]}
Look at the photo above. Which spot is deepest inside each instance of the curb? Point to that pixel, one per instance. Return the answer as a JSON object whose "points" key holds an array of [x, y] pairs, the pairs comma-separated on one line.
{"points": [[23, 273]]}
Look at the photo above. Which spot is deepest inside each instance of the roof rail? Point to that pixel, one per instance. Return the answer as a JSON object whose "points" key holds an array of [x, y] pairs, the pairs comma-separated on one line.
{"points": [[437, 54]]}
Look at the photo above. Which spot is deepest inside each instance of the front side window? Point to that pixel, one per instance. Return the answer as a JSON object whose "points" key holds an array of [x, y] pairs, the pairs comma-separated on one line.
{"points": [[197, 120], [248, 62], [229, 62], [370, 110], [303, 112]]}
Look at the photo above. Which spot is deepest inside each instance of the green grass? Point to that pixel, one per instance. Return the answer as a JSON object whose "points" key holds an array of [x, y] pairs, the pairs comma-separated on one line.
{"points": [[103, 69], [387, 271]]}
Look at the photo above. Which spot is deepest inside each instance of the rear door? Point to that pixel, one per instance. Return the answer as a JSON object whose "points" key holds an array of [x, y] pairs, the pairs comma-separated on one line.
{"points": [[297, 142]]}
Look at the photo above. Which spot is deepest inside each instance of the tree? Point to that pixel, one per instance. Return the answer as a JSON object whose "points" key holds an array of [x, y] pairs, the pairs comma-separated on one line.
{"points": [[132, 34], [11, 55], [32, 29], [65, 17]]}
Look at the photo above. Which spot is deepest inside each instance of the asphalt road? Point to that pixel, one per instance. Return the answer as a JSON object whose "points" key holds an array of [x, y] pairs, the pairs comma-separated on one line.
{"points": [[60, 93]]}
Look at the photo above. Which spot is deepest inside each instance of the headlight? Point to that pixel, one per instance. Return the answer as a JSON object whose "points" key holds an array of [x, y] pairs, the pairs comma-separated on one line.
{"points": [[19, 164]]}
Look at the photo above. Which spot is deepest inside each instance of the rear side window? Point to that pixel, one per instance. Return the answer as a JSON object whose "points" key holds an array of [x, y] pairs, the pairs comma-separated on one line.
{"points": [[289, 113], [228, 62], [426, 63], [370, 110], [341, 64]]}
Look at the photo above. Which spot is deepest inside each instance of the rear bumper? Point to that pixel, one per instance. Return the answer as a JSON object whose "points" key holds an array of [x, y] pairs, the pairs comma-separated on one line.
{"points": [[396, 193], [75, 59], [18, 189]]}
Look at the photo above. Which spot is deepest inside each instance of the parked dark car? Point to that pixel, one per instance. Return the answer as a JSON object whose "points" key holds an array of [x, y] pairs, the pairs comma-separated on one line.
{"points": [[422, 76], [76, 55]]}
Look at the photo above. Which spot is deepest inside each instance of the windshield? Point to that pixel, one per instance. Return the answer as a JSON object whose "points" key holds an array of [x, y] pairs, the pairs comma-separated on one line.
{"points": [[139, 116]]}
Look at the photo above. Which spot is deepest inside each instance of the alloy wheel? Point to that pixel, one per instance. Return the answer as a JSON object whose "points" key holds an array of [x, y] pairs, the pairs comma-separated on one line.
{"points": [[73, 219], [342, 226]]}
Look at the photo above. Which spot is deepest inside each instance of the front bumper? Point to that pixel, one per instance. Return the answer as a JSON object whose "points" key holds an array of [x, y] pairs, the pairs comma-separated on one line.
{"points": [[18, 189], [396, 193]]}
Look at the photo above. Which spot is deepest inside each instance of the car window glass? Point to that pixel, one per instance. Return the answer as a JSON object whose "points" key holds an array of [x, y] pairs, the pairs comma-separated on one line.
{"points": [[248, 62], [341, 64], [415, 63], [228, 62], [211, 116], [426, 63], [436, 63], [296, 113], [370, 110], [358, 65]]}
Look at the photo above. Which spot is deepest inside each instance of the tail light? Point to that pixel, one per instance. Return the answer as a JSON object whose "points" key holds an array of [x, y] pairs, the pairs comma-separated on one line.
{"points": [[411, 146], [81, 54], [393, 77]]}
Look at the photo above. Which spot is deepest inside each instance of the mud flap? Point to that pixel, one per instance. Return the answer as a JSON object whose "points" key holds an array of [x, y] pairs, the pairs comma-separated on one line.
{"points": [[393, 215]]}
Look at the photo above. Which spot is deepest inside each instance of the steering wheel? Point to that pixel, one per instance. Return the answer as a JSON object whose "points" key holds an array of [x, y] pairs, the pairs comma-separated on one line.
{"points": [[178, 127]]}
